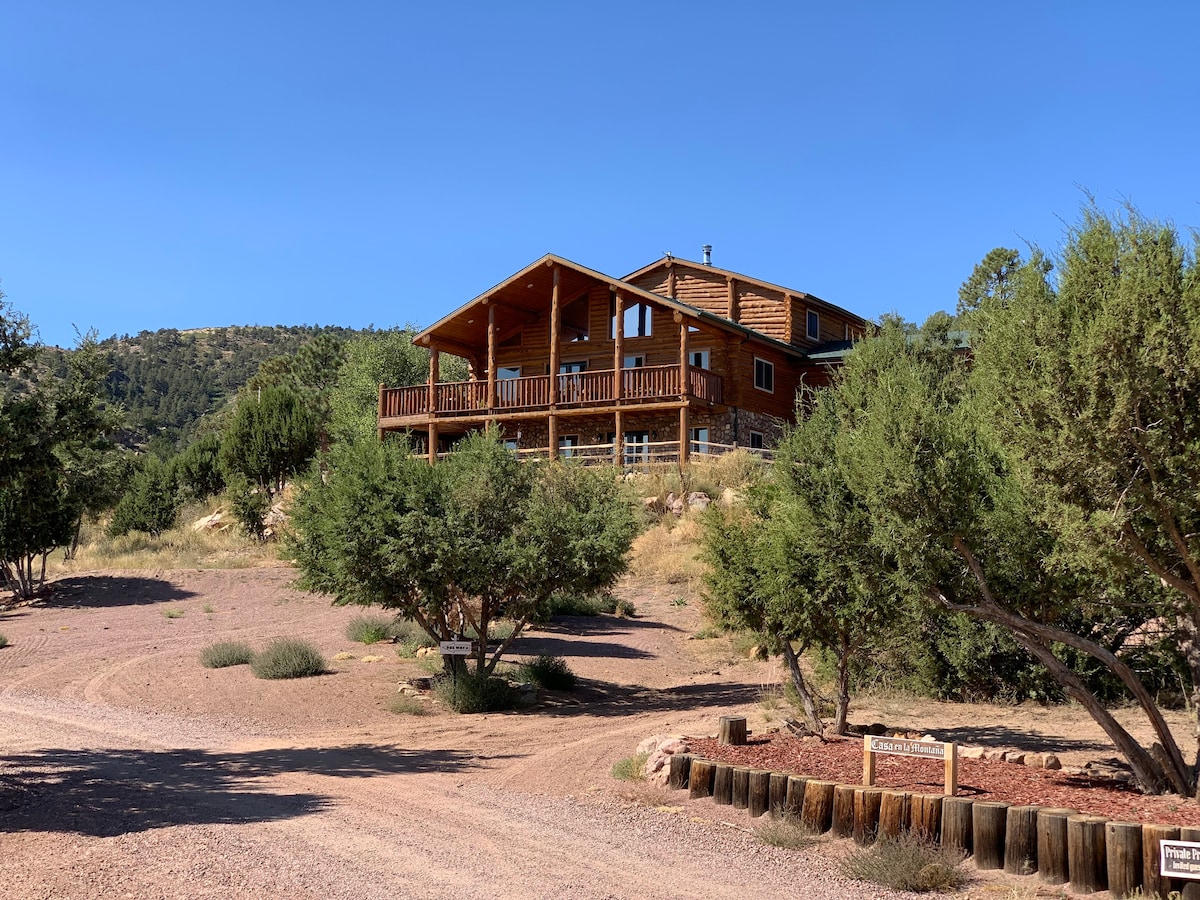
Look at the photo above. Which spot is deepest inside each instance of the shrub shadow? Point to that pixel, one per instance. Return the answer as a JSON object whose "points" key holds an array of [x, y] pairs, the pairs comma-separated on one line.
{"points": [[106, 591], [602, 698], [104, 793], [1029, 741]]}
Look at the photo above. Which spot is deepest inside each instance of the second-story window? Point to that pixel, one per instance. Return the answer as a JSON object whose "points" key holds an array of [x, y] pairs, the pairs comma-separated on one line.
{"points": [[814, 325], [638, 321], [699, 358], [764, 375]]}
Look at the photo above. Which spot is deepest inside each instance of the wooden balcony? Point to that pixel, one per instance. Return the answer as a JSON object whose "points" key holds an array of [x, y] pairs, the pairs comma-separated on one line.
{"points": [[576, 390]]}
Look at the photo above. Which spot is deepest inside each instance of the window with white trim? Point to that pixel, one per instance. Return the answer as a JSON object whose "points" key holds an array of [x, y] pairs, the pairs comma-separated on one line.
{"points": [[764, 375]]}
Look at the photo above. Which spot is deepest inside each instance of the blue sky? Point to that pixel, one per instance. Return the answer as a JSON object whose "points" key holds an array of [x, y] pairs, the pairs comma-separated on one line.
{"points": [[185, 165]]}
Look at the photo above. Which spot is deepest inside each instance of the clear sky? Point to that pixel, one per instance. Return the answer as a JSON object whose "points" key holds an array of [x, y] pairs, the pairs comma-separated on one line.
{"points": [[220, 163]]}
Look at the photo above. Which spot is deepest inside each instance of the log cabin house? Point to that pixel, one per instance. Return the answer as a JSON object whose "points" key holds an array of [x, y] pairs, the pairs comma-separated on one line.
{"points": [[676, 358]]}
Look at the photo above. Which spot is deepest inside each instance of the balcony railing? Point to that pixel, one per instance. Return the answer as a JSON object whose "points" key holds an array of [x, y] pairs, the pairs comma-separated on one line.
{"points": [[575, 389]]}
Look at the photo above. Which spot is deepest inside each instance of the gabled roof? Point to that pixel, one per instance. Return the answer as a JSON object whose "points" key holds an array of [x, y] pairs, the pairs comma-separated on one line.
{"points": [[525, 296], [757, 282]]}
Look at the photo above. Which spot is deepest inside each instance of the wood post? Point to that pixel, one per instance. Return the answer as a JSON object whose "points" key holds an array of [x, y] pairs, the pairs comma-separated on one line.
{"points": [[555, 328], [379, 408], [793, 801], [684, 370], [741, 787], [1123, 849], [1052, 845], [957, 824], [893, 813], [868, 763], [843, 810], [434, 361], [866, 814], [552, 431], [732, 312], [433, 442], [700, 778], [723, 784], [951, 768], [732, 730], [681, 765], [1086, 856], [989, 821], [760, 792], [817, 813], [1152, 881], [1020, 840], [491, 357], [779, 782], [1191, 888], [618, 438], [619, 347], [925, 816]]}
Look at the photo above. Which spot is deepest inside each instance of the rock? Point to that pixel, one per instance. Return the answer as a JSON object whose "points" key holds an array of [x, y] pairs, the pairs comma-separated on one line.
{"points": [[877, 729], [422, 652], [994, 753], [1051, 761], [928, 737], [729, 498], [673, 745], [698, 500], [970, 753], [407, 690], [855, 729], [653, 506], [215, 522], [343, 655], [1016, 757], [675, 504], [655, 762]]}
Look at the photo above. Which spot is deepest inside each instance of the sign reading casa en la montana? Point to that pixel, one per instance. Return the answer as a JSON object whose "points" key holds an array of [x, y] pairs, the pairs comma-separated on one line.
{"points": [[1179, 859], [945, 751]]}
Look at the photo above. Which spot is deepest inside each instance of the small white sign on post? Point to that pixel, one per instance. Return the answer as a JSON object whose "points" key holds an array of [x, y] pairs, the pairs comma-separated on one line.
{"points": [[1179, 859], [455, 648]]}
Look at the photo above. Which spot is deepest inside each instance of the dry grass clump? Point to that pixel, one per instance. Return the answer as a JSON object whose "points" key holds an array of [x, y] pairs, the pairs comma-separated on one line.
{"points": [[631, 768], [288, 658], [669, 551], [226, 653], [403, 705], [787, 832], [371, 629], [906, 864]]}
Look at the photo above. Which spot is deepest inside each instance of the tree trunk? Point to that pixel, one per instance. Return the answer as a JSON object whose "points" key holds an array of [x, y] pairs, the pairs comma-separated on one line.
{"points": [[802, 689], [842, 709]]}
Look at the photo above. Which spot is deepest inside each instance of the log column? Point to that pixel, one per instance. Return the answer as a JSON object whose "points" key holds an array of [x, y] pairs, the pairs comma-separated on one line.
{"points": [[491, 356], [989, 823], [1086, 857], [1020, 840], [618, 388], [555, 331], [1052, 845], [732, 730], [683, 389]]}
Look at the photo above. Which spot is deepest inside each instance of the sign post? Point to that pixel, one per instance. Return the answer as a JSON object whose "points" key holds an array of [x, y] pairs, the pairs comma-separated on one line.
{"points": [[455, 648], [947, 751]]}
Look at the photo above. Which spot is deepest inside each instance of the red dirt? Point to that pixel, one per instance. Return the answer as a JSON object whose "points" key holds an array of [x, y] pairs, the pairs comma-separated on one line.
{"points": [[841, 760]]}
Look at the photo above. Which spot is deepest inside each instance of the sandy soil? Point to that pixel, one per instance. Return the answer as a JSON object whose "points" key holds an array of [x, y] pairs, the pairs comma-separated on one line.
{"points": [[128, 770]]}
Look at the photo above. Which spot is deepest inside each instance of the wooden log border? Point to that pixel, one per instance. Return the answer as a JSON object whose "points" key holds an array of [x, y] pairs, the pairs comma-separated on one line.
{"points": [[1088, 851]]}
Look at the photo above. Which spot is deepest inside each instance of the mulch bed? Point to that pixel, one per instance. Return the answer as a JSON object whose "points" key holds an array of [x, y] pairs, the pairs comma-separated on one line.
{"points": [[841, 760]]}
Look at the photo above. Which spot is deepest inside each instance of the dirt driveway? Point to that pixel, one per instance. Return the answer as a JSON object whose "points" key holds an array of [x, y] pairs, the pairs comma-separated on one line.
{"points": [[128, 770]]}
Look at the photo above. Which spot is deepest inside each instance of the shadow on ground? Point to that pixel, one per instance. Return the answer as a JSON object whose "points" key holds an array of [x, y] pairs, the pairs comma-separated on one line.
{"points": [[104, 793], [1029, 741], [104, 591], [603, 698]]}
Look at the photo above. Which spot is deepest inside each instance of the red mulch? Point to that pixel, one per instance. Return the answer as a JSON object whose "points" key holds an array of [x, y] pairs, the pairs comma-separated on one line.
{"points": [[841, 760]]}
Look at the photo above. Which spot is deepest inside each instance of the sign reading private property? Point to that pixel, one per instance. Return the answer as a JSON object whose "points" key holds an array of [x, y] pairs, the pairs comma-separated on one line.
{"points": [[947, 752], [455, 648], [1179, 859]]}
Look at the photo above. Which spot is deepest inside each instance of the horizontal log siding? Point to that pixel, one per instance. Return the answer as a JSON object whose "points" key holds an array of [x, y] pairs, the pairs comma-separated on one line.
{"points": [[762, 310], [833, 326], [781, 403]]}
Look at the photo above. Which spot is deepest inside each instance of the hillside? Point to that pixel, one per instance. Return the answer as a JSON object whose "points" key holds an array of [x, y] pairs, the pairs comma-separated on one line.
{"points": [[168, 381]]}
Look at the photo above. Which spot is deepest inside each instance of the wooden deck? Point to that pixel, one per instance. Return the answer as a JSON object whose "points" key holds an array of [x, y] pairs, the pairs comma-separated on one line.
{"points": [[593, 390]]}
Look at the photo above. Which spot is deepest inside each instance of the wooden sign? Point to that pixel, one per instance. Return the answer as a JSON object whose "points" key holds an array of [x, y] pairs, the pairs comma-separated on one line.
{"points": [[947, 751], [1179, 859], [455, 648]]}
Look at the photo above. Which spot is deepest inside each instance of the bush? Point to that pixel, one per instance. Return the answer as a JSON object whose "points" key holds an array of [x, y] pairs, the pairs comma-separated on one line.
{"points": [[370, 629], [566, 604], [787, 832], [471, 693], [3, 641], [631, 768], [403, 705], [906, 864], [550, 672], [288, 658], [226, 653]]}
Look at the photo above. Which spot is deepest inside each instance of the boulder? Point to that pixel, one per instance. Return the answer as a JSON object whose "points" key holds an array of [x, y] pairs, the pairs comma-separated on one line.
{"points": [[1016, 757], [698, 500], [970, 753], [675, 504], [215, 522], [1051, 761]]}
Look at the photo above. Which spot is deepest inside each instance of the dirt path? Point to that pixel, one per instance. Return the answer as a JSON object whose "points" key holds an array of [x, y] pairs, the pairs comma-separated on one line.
{"points": [[128, 770]]}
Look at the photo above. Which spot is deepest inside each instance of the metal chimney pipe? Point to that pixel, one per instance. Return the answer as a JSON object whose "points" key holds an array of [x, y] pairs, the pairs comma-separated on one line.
{"points": [[707, 248]]}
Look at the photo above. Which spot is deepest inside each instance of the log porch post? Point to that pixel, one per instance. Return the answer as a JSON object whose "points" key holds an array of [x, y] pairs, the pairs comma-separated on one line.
{"points": [[491, 355], [379, 412], [432, 442], [619, 347], [684, 374], [555, 331], [434, 359], [618, 437]]}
